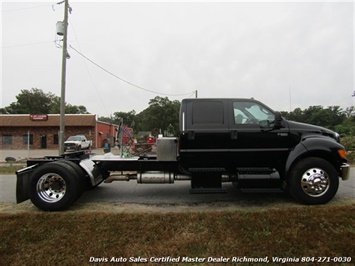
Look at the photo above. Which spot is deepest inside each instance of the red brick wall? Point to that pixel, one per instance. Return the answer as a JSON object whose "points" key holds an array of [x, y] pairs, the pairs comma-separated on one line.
{"points": [[105, 133], [45, 134]]}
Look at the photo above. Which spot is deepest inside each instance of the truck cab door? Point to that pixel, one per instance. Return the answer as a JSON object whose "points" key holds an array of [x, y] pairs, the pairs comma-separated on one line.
{"points": [[258, 138], [204, 133]]}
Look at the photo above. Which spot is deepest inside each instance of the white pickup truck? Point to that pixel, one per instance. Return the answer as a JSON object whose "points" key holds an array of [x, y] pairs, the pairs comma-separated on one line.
{"points": [[77, 143]]}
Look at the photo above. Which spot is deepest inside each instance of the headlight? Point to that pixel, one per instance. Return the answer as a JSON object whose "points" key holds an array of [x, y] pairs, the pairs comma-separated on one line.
{"points": [[337, 137]]}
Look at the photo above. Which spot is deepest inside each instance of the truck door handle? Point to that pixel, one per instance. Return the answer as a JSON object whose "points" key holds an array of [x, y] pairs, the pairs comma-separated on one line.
{"points": [[234, 134]]}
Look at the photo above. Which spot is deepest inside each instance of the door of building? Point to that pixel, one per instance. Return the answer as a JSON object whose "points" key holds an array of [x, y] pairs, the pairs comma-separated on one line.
{"points": [[43, 141]]}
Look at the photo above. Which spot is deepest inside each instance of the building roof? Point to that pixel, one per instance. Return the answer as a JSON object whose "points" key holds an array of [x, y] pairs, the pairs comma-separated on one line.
{"points": [[53, 120]]}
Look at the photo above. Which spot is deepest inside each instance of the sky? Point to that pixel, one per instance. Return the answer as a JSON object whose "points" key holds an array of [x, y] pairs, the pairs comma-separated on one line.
{"points": [[287, 54]]}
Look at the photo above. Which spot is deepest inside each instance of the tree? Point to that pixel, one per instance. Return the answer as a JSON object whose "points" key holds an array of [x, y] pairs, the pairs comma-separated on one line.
{"points": [[35, 101], [160, 114], [128, 118], [332, 117]]}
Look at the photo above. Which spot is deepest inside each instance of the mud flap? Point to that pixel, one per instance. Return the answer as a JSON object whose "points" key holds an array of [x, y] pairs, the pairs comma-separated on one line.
{"points": [[23, 183]]}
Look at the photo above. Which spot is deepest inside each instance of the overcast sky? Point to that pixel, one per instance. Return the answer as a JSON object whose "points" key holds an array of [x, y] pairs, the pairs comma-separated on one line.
{"points": [[285, 54]]}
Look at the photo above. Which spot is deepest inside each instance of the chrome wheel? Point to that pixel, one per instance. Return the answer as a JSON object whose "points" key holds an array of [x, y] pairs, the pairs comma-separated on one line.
{"points": [[51, 187], [315, 182]]}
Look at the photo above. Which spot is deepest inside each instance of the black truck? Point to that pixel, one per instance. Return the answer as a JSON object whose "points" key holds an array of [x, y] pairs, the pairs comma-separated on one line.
{"points": [[220, 140]]}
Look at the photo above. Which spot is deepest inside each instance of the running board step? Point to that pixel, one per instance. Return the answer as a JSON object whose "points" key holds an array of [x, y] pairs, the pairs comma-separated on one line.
{"points": [[261, 190], [207, 190], [207, 170], [255, 171]]}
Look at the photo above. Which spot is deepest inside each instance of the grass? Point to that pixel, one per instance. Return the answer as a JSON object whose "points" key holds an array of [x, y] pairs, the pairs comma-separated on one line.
{"points": [[70, 238], [10, 169]]}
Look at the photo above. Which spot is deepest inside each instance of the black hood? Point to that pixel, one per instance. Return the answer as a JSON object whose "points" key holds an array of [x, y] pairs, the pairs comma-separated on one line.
{"points": [[308, 129]]}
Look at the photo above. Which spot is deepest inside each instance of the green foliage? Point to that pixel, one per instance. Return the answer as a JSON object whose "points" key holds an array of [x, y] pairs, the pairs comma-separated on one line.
{"points": [[35, 101], [332, 117], [349, 144], [161, 115]]}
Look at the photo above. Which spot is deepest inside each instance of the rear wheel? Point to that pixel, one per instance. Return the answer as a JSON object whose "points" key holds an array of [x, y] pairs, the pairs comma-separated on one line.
{"points": [[81, 175], [54, 186], [313, 181]]}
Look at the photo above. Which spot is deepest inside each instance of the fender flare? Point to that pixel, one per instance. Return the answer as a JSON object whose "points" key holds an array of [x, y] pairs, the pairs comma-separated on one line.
{"points": [[322, 147], [298, 152], [93, 172]]}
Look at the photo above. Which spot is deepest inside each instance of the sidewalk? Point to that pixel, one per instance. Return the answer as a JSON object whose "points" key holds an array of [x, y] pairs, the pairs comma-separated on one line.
{"points": [[21, 155]]}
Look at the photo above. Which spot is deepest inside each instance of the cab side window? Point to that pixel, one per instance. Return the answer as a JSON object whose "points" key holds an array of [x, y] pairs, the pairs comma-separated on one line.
{"points": [[251, 113]]}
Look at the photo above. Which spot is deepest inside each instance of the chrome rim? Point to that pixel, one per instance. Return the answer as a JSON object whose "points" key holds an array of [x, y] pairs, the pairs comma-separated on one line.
{"points": [[315, 182], [51, 187]]}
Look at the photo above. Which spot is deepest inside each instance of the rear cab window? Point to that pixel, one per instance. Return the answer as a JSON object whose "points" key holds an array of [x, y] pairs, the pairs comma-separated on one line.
{"points": [[208, 113]]}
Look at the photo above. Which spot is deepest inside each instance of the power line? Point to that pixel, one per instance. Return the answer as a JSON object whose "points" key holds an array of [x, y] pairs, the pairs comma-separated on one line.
{"points": [[87, 70], [26, 44], [25, 8], [126, 81]]}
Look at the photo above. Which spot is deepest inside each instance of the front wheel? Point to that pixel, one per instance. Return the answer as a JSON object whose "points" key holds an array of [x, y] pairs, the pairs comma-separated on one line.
{"points": [[54, 186], [313, 181]]}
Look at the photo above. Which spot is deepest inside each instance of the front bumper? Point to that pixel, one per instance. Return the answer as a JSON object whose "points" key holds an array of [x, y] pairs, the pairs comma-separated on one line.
{"points": [[345, 171], [70, 148]]}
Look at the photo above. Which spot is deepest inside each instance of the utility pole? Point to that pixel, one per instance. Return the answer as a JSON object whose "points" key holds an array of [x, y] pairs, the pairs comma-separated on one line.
{"points": [[62, 94], [196, 94]]}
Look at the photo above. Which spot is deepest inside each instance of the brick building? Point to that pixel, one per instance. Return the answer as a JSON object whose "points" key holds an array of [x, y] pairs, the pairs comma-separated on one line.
{"points": [[41, 131]]}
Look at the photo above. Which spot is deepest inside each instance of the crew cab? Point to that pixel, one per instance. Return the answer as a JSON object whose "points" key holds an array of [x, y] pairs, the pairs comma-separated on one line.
{"points": [[242, 141]]}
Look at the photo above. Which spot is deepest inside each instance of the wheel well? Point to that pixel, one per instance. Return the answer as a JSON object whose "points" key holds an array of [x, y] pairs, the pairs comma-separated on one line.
{"points": [[319, 154]]}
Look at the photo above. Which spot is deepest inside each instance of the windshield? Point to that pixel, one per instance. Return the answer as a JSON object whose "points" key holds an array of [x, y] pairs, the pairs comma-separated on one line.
{"points": [[74, 138]]}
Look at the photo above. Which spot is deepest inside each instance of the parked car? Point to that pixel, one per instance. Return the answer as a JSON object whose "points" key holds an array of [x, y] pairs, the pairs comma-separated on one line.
{"points": [[77, 143]]}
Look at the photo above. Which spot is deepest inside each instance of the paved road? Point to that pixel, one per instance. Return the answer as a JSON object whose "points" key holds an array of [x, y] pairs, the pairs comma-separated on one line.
{"points": [[178, 193]]}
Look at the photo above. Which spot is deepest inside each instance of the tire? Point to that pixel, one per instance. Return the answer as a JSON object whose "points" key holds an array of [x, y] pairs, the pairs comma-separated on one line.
{"points": [[81, 175], [54, 186], [313, 181]]}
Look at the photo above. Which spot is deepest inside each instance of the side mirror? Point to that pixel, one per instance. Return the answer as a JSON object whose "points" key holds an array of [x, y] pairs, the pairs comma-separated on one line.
{"points": [[278, 120]]}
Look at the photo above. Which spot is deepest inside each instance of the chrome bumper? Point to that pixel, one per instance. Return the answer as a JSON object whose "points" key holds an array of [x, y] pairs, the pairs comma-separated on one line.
{"points": [[345, 171]]}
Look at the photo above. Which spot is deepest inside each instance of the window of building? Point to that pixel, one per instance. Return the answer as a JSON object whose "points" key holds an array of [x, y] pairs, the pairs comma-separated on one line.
{"points": [[55, 139], [7, 139], [25, 139]]}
